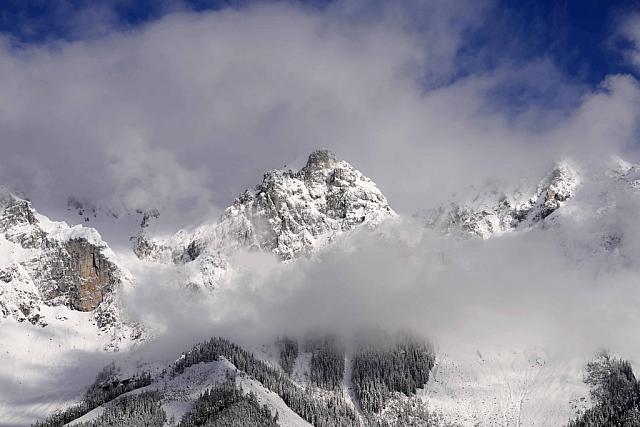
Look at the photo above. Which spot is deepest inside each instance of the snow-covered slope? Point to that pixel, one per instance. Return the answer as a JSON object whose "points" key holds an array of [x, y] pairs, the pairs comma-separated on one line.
{"points": [[586, 206], [290, 213], [180, 391], [506, 387], [61, 294]]}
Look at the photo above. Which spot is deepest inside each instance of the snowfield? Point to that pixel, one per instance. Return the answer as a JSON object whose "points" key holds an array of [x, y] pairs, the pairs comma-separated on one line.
{"points": [[505, 387]]}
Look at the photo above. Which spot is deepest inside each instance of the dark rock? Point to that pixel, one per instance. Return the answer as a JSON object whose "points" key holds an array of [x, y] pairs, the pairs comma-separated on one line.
{"points": [[92, 275]]}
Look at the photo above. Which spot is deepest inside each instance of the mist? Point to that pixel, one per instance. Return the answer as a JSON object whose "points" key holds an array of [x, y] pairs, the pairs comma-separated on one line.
{"points": [[554, 287]]}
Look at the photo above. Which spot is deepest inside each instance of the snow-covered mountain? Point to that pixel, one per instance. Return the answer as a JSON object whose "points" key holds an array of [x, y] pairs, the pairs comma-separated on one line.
{"points": [[584, 205], [290, 213], [493, 212], [50, 272]]}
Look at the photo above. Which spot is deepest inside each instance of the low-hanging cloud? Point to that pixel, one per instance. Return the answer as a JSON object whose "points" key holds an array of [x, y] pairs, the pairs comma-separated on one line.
{"points": [[185, 112], [550, 288], [568, 285]]}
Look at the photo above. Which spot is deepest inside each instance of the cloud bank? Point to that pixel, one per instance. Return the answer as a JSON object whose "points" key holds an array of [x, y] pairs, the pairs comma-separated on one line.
{"points": [[185, 112]]}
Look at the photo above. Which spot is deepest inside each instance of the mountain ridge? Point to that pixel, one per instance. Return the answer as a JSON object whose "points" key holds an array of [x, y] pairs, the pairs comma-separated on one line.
{"points": [[48, 265]]}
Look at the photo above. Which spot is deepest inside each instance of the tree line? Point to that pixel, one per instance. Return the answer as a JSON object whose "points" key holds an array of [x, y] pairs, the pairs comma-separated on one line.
{"points": [[327, 360], [288, 353], [382, 365], [135, 410], [334, 411]]}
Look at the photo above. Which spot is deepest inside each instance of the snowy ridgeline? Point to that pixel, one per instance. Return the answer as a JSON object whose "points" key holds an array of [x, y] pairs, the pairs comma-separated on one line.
{"points": [[386, 380]]}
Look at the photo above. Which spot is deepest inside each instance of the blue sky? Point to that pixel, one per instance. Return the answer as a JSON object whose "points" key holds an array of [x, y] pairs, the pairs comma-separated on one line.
{"points": [[579, 36]]}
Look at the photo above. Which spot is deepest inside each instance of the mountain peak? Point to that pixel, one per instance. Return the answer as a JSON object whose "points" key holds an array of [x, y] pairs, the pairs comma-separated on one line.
{"points": [[290, 213], [320, 159]]}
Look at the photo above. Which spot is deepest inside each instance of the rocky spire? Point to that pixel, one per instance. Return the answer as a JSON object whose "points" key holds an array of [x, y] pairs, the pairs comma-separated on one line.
{"points": [[318, 164]]}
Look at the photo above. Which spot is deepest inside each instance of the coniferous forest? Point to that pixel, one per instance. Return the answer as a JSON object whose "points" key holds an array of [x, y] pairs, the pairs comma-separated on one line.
{"points": [[105, 388], [615, 391], [327, 360], [331, 412], [288, 353], [383, 364], [136, 410], [227, 406]]}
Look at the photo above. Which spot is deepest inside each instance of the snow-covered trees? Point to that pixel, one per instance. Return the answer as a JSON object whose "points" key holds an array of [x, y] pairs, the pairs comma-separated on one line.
{"points": [[106, 387], [616, 392], [207, 351], [227, 406], [327, 360], [320, 412], [288, 353], [131, 411], [383, 364]]}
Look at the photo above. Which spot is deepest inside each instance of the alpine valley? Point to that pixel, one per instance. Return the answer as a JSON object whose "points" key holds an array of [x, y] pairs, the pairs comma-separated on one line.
{"points": [[186, 328]]}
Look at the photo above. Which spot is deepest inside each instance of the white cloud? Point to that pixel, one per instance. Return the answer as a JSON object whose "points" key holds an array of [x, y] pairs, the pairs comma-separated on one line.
{"points": [[219, 97], [630, 31]]}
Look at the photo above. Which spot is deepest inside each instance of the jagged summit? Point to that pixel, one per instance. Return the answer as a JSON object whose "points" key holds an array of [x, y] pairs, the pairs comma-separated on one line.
{"points": [[495, 212], [289, 213]]}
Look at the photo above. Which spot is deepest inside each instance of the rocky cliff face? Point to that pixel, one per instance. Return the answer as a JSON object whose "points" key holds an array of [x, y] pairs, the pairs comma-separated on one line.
{"points": [[290, 213], [93, 275], [48, 264]]}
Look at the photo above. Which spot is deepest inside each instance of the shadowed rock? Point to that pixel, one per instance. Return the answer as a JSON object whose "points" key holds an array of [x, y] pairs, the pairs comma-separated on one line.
{"points": [[92, 275]]}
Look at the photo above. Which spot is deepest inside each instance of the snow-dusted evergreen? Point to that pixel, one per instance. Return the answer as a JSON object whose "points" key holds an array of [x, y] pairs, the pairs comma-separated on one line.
{"points": [[219, 380]]}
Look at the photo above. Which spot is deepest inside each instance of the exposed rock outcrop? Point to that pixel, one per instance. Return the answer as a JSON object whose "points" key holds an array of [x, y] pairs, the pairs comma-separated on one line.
{"points": [[93, 275], [49, 264]]}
